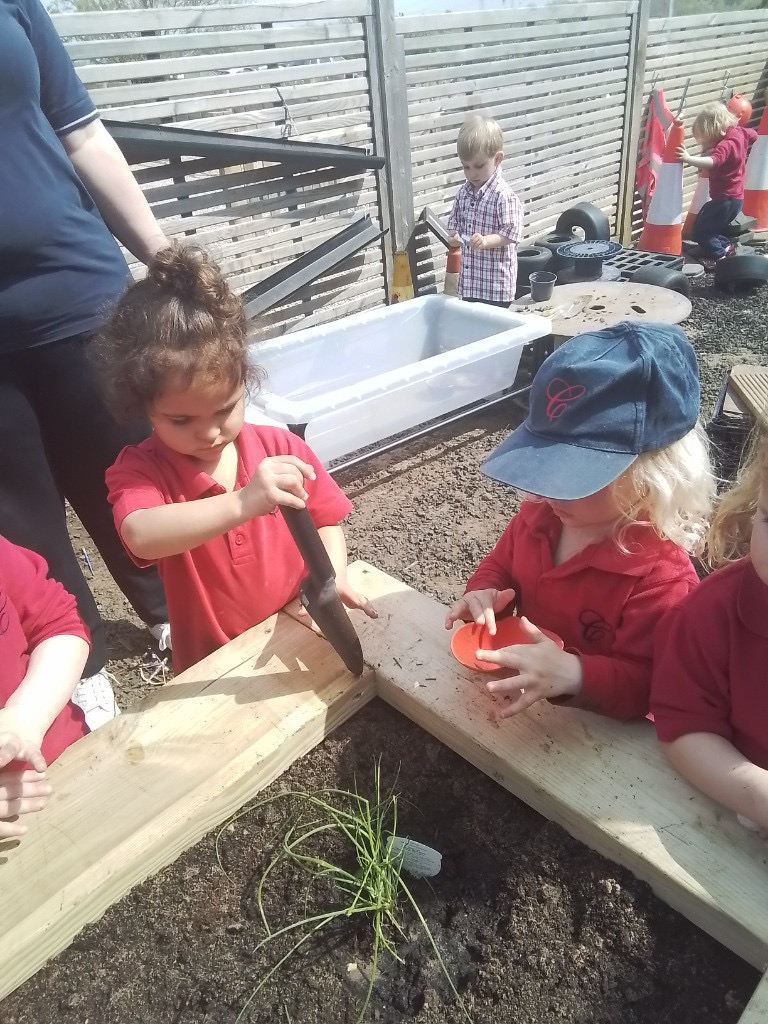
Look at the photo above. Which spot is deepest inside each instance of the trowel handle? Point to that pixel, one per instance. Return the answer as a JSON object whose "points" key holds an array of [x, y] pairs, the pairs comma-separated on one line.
{"points": [[304, 533]]}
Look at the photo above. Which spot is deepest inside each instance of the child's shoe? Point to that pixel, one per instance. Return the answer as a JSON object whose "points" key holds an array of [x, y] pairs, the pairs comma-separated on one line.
{"points": [[730, 251], [96, 698], [162, 633]]}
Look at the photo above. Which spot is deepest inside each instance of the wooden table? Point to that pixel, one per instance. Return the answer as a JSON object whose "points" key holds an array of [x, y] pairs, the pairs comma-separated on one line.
{"points": [[591, 305]]}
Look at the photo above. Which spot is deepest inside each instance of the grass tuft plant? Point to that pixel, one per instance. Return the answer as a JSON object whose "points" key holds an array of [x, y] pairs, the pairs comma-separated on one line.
{"points": [[374, 888]]}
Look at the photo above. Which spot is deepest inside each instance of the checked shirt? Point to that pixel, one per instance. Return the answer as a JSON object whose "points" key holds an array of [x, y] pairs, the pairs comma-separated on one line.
{"points": [[488, 274]]}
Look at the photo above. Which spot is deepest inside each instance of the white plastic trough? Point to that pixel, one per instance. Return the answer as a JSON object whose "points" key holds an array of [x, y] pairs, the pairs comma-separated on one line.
{"points": [[362, 379]]}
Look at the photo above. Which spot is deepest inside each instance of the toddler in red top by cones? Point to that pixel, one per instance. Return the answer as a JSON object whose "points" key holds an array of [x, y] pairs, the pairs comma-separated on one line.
{"points": [[43, 649], [710, 677], [201, 496], [617, 489], [724, 143]]}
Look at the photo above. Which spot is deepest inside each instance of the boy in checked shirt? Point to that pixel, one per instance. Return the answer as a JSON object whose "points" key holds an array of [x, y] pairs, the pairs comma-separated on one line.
{"points": [[487, 217]]}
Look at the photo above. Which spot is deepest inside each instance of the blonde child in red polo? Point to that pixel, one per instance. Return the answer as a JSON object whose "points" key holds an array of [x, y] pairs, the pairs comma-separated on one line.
{"points": [[200, 497], [43, 649], [710, 677], [614, 468]]}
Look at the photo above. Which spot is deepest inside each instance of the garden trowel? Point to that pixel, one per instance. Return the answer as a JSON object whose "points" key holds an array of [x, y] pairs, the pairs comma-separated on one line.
{"points": [[318, 591]]}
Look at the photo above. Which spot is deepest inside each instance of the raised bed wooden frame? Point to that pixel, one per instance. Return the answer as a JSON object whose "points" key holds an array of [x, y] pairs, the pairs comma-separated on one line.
{"points": [[132, 796]]}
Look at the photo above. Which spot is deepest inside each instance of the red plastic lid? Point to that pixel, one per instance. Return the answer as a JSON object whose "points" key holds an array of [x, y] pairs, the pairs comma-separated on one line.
{"points": [[471, 638]]}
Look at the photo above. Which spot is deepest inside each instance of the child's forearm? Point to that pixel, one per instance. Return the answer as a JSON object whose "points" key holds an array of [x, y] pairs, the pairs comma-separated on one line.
{"points": [[54, 669], [714, 766], [336, 545], [165, 530], [497, 241], [702, 162]]}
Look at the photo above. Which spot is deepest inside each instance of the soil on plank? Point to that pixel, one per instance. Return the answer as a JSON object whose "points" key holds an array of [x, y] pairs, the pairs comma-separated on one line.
{"points": [[533, 926]]}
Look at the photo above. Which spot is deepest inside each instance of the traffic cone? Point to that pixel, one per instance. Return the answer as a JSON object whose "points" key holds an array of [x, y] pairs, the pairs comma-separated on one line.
{"points": [[700, 196], [756, 177], [663, 228], [452, 271]]}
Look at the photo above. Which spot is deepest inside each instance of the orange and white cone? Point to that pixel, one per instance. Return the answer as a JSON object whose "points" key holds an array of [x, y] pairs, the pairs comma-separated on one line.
{"points": [[700, 197], [663, 228], [756, 177]]}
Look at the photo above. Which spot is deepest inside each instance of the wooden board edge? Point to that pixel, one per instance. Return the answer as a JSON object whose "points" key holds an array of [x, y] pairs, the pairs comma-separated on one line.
{"points": [[242, 780], [756, 1011]]}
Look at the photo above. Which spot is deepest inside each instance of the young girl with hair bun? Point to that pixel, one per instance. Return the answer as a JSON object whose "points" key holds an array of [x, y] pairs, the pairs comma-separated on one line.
{"points": [[199, 498], [710, 692]]}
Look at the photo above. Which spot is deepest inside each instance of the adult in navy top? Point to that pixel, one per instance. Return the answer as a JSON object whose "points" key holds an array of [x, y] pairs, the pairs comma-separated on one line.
{"points": [[65, 190]]}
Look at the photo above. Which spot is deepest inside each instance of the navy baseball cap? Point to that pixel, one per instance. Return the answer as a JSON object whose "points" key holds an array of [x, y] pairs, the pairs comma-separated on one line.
{"points": [[595, 404]]}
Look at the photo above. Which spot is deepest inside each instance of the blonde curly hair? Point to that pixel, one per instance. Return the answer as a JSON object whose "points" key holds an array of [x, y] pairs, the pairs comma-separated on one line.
{"points": [[731, 528], [712, 122]]}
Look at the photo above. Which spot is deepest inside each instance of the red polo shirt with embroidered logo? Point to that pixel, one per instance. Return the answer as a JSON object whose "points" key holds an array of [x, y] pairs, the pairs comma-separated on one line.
{"points": [[711, 663], [221, 588], [34, 608], [603, 603]]}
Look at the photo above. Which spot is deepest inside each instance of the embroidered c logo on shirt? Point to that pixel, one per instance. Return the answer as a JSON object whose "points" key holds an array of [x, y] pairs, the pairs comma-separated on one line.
{"points": [[593, 626], [560, 394]]}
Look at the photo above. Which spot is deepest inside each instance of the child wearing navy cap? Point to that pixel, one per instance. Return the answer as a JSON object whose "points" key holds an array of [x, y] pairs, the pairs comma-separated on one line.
{"points": [[617, 488], [709, 694]]}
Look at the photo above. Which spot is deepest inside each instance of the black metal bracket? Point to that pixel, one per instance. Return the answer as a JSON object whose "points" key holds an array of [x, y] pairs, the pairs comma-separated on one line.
{"points": [[313, 264], [435, 226], [144, 143]]}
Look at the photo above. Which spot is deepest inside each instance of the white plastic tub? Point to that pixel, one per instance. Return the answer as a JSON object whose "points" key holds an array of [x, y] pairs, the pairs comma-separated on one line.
{"points": [[364, 378]]}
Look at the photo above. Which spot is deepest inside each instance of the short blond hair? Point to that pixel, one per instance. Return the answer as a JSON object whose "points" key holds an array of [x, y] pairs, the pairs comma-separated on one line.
{"points": [[713, 121], [479, 136], [671, 489], [731, 529]]}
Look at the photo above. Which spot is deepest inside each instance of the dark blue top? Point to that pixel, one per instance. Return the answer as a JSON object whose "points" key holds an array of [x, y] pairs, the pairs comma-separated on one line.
{"points": [[60, 268]]}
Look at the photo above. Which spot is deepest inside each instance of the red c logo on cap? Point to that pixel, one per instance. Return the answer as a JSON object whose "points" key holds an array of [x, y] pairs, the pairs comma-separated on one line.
{"points": [[560, 394]]}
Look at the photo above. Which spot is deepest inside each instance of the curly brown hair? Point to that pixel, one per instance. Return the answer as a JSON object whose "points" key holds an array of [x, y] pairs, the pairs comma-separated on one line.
{"points": [[181, 323]]}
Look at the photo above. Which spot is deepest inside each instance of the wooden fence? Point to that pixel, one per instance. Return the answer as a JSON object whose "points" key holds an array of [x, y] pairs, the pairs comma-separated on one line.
{"points": [[566, 82], [698, 52]]}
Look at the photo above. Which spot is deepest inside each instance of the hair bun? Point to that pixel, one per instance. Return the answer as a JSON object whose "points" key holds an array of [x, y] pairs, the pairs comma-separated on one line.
{"points": [[188, 272]]}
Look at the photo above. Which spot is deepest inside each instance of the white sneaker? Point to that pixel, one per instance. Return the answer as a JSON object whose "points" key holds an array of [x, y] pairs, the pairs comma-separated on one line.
{"points": [[95, 696], [162, 633]]}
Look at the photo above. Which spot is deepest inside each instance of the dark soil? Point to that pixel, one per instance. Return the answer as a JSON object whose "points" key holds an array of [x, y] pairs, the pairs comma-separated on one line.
{"points": [[533, 926]]}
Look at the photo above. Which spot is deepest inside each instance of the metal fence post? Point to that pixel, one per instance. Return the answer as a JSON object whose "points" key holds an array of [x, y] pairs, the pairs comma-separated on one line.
{"points": [[389, 116], [633, 116]]}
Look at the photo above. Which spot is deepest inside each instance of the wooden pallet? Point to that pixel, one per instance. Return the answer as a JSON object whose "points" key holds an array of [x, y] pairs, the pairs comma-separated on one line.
{"points": [[749, 384], [132, 796]]}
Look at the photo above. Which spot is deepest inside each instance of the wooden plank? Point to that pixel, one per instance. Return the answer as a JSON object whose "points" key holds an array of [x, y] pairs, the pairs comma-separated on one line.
{"points": [[633, 114], [750, 385], [757, 1008], [132, 796], [390, 119], [535, 68], [198, 63], [518, 16], [556, 36], [222, 84], [258, 36], [158, 19], [724, 19], [165, 110], [605, 782]]}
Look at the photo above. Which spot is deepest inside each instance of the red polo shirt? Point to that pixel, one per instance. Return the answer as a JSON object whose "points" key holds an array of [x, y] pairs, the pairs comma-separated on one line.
{"points": [[221, 588], [603, 602], [34, 608], [729, 158], [711, 664]]}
